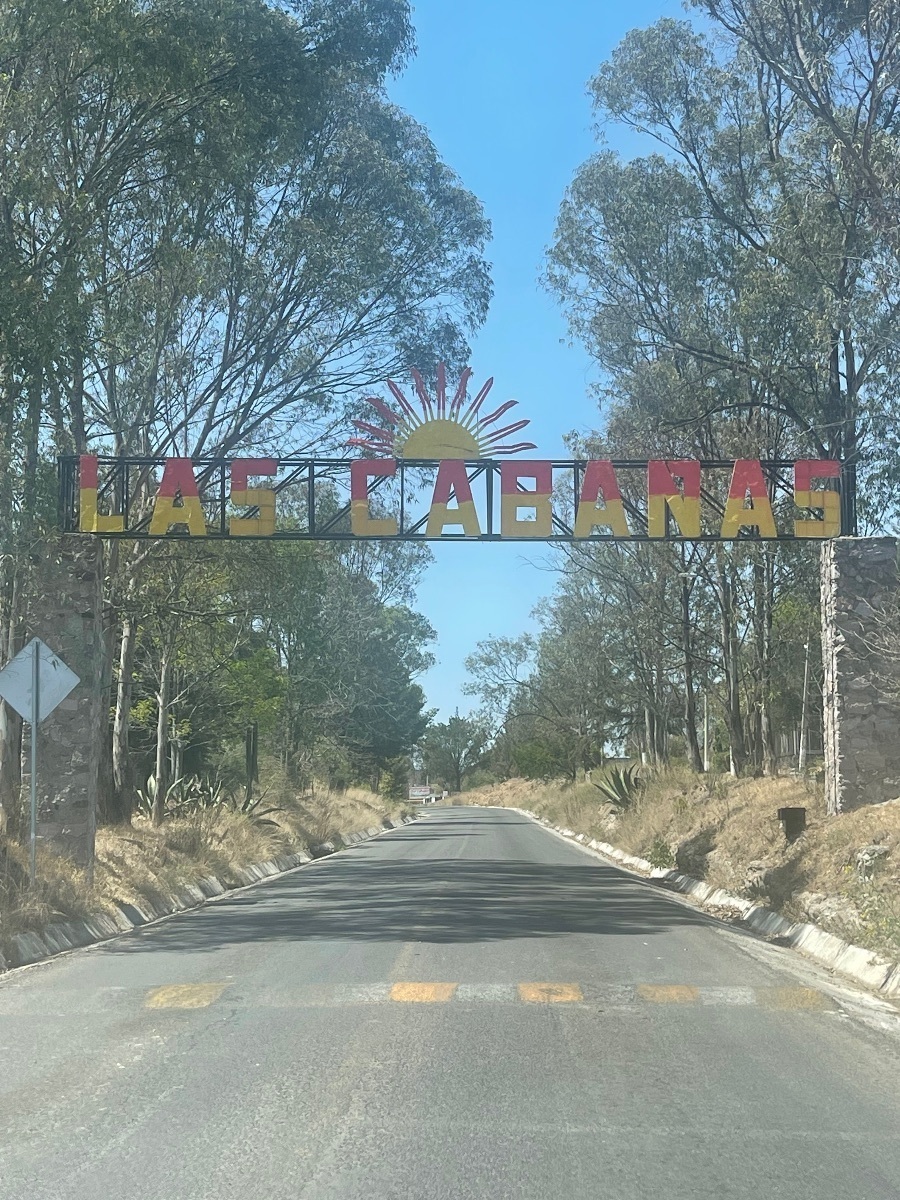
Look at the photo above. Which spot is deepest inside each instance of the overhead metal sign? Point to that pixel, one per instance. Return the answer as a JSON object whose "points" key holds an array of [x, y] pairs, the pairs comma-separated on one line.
{"points": [[439, 468]]}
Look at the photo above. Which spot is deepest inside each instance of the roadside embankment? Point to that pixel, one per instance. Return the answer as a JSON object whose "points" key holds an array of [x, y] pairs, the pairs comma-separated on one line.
{"points": [[842, 874], [142, 872]]}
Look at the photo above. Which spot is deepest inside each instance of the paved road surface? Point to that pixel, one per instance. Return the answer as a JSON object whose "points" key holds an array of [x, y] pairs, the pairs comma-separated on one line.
{"points": [[467, 1007]]}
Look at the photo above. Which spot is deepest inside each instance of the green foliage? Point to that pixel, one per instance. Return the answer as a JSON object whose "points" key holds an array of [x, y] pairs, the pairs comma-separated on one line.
{"points": [[184, 796], [257, 809], [479, 777], [452, 750], [660, 854], [218, 233], [395, 779], [722, 276], [538, 760]]}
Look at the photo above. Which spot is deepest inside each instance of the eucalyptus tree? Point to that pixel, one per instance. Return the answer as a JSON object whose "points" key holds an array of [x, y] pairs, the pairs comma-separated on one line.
{"points": [[738, 285], [453, 749], [742, 261], [215, 233], [350, 651]]}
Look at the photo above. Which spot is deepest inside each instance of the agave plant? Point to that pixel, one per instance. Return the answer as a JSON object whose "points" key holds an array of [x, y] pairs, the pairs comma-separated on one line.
{"points": [[252, 807], [183, 795], [203, 792], [621, 788], [146, 797]]}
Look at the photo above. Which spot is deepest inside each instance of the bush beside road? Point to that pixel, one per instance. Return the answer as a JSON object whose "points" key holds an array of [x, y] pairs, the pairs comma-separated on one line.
{"points": [[139, 863]]}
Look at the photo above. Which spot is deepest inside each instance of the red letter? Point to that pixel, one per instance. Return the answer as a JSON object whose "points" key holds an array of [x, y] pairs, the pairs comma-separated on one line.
{"points": [[600, 481], [747, 479], [683, 501]]}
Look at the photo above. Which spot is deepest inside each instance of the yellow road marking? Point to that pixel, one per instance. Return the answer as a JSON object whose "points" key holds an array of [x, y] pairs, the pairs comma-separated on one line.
{"points": [[423, 993], [550, 993], [184, 995], [668, 993], [795, 998]]}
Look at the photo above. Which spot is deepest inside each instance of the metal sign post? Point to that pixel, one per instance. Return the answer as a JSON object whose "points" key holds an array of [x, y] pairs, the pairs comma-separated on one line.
{"points": [[34, 683], [35, 719]]}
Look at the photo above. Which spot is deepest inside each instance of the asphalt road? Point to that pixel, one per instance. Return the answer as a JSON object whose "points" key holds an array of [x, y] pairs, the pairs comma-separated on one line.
{"points": [[465, 1007]]}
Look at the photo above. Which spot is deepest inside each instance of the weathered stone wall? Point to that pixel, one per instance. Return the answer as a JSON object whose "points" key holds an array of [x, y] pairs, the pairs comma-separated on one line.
{"points": [[862, 717], [68, 618]]}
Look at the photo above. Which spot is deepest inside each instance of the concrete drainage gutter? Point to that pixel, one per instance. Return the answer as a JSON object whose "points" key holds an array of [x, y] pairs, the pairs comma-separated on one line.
{"points": [[859, 964], [30, 948]]}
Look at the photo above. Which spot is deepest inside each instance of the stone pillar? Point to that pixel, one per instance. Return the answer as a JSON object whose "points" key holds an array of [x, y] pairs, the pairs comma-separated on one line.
{"points": [[861, 688], [67, 615]]}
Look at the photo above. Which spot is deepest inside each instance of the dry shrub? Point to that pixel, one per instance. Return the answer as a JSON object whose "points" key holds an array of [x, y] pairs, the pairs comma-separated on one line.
{"points": [[579, 806], [324, 814], [147, 862], [139, 862], [61, 890]]}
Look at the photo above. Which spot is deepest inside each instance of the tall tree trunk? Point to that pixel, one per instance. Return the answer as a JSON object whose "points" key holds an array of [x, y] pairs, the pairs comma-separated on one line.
{"points": [[730, 661], [690, 706], [161, 773], [660, 715], [17, 537], [10, 721], [649, 736], [767, 731], [122, 772]]}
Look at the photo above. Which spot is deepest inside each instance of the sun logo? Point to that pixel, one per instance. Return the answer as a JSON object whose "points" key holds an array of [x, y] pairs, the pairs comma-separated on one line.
{"points": [[445, 429]]}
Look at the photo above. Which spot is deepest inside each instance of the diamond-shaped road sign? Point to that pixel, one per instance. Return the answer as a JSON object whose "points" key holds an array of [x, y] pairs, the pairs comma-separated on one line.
{"points": [[55, 681]]}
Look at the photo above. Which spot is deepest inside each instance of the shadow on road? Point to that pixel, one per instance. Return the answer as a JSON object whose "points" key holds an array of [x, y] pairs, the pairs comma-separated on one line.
{"points": [[369, 894]]}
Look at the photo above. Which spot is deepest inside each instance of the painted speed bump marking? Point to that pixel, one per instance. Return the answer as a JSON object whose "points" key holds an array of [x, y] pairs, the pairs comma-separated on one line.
{"points": [[550, 993], [792, 999], [727, 995], [602, 996], [423, 993], [184, 995], [668, 993], [366, 993], [492, 993]]}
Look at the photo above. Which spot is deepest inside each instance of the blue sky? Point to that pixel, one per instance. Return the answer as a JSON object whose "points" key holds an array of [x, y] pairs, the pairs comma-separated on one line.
{"points": [[502, 90]]}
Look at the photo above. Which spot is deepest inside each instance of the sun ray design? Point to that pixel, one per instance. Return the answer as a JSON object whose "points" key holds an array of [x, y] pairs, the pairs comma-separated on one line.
{"points": [[442, 429]]}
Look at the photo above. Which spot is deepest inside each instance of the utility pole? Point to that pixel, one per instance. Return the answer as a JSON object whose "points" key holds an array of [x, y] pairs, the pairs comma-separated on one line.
{"points": [[706, 732]]}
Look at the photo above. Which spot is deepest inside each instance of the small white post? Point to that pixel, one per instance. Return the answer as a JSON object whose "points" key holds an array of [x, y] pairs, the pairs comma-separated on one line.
{"points": [[706, 732], [35, 718]]}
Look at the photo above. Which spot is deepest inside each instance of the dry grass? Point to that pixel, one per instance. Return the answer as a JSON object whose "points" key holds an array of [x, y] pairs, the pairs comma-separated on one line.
{"points": [[61, 891], [726, 831], [140, 862]]}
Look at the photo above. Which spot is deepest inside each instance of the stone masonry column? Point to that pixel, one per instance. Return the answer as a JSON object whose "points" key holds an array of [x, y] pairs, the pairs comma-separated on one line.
{"points": [[67, 616], [861, 689]]}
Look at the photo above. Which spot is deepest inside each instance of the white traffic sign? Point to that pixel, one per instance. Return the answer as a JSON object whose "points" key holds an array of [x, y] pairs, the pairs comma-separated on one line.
{"points": [[420, 792], [33, 683], [55, 681]]}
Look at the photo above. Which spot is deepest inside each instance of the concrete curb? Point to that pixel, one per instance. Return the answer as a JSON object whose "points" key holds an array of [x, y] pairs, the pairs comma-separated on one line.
{"points": [[862, 965], [28, 948]]}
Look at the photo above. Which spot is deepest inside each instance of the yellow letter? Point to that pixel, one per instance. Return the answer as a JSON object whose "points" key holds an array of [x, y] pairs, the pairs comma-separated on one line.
{"points": [[243, 496], [806, 496], [361, 471]]}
